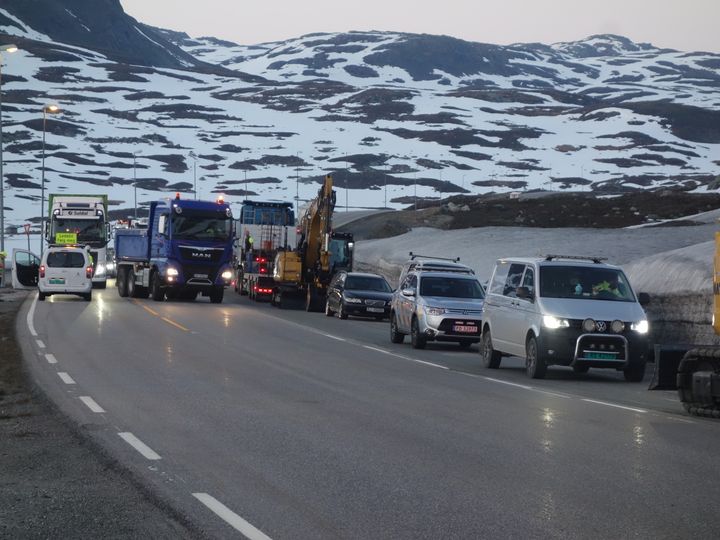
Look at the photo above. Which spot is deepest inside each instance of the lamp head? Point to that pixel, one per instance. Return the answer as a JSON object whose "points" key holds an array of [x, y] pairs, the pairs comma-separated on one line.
{"points": [[52, 109], [8, 48]]}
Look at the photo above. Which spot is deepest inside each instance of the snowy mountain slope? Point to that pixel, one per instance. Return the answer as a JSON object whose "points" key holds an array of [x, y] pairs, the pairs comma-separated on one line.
{"points": [[392, 116]]}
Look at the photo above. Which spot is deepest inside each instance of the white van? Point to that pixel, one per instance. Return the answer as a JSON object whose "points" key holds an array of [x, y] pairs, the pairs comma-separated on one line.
{"points": [[564, 310], [62, 270]]}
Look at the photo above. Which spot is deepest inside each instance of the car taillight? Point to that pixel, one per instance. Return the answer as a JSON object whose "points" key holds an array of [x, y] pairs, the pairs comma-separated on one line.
{"points": [[89, 271], [42, 270]]}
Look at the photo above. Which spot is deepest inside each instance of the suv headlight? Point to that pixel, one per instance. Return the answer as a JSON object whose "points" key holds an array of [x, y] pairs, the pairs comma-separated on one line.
{"points": [[641, 327], [435, 310], [351, 300], [553, 323]]}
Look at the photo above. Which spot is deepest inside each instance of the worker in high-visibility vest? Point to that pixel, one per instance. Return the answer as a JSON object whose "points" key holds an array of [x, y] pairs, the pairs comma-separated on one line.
{"points": [[3, 254]]}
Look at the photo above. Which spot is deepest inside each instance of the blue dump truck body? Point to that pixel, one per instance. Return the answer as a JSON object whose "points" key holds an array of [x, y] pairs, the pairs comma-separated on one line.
{"points": [[186, 250]]}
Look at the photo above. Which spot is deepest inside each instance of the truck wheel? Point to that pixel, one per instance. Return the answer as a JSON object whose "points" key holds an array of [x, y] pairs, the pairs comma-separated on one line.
{"points": [[490, 357], [535, 364], [156, 291], [395, 335], [122, 284], [416, 338], [216, 295], [132, 289]]}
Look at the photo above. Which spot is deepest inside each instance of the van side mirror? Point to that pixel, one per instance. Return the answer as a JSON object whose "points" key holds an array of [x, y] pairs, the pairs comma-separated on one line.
{"points": [[524, 293], [644, 298]]}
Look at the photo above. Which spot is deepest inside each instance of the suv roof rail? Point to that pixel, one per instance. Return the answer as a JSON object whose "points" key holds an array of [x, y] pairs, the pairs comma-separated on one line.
{"points": [[596, 260], [414, 256]]}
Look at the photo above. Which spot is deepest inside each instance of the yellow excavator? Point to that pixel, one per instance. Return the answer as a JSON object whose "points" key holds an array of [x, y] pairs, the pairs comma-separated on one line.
{"points": [[305, 273], [698, 376]]}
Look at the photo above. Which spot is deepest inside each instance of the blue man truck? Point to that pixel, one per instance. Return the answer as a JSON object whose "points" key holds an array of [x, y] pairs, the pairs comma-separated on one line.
{"points": [[186, 250]]}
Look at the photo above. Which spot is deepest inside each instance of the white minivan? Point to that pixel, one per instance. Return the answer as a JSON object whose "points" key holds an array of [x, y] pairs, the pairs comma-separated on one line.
{"points": [[62, 270], [564, 310]]}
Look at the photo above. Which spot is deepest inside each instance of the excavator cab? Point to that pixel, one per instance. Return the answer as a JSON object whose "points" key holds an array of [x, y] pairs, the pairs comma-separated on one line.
{"points": [[341, 252]]}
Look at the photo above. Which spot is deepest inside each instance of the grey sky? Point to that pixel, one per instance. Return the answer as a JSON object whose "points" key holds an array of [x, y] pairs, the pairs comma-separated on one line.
{"points": [[688, 25]]}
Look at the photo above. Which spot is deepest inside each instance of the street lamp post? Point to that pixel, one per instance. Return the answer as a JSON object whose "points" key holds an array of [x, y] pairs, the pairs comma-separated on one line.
{"points": [[194, 158], [135, 155], [47, 109], [297, 184], [9, 49]]}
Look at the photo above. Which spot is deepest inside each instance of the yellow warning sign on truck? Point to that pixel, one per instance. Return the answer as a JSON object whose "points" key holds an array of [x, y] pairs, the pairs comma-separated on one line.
{"points": [[66, 238]]}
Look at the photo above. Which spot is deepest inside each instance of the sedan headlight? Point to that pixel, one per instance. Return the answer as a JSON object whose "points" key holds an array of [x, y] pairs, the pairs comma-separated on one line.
{"points": [[435, 310], [554, 323], [641, 327], [171, 271], [227, 274], [351, 300]]}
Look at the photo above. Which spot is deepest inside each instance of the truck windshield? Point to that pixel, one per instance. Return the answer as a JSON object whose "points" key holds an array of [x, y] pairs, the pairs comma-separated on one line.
{"points": [[585, 283], [87, 230], [201, 226]]}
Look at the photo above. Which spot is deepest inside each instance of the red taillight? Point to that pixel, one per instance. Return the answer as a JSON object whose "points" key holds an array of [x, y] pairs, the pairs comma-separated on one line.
{"points": [[88, 271], [255, 288], [263, 270], [42, 270]]}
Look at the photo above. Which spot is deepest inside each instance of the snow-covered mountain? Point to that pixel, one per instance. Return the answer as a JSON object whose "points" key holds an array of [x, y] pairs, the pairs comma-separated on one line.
{"points": [[391, 115]]}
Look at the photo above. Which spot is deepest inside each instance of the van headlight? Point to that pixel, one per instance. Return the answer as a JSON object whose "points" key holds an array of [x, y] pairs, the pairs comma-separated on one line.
{"points": [[99, 270], [641, 327], [554, 323]]}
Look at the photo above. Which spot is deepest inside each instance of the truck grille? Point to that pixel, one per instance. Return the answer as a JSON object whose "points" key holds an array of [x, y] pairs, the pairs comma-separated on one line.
{"points": [[200, 275], [198, 254]]}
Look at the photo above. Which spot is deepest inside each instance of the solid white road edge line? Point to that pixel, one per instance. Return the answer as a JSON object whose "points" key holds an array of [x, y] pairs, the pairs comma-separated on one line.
{"points": [[377, 349], [333, 337], [67, 379], [51, 358], [523, 386], [40, 344], [29, 318], [92, 404], [230, 517], [615, 405], [140, 446]]}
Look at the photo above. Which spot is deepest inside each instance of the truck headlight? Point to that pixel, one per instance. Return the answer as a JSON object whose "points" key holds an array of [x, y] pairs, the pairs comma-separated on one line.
{"points": [[641, 327], [554, 323], [99, 270], [171, 271], [226, 275], [435, 310]]}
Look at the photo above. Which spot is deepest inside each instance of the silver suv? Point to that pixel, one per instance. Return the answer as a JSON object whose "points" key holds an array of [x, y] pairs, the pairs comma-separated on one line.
{"points": [[437, 305]]}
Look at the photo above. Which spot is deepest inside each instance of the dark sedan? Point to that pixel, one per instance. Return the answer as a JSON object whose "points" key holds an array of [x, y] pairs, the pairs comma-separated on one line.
{"points": [[358, 294]]}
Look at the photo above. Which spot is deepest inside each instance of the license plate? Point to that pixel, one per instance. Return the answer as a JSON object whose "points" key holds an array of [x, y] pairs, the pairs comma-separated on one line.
{"points": [[376, 310], [57, 281], [465, 329], [203, 276], [600, 356]]}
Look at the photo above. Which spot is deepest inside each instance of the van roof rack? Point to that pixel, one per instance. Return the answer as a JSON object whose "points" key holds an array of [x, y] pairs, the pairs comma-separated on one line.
{"points": [[596, 260], [414, 256]]}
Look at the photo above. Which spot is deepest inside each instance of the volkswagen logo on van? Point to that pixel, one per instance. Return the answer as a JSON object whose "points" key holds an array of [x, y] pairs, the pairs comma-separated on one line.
{"points": [[601, 326]]}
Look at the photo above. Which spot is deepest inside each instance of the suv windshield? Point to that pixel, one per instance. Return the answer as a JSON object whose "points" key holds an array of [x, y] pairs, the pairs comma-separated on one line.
{"points": [[584, 282], [201, 226], [450, 287], [363, 283]]}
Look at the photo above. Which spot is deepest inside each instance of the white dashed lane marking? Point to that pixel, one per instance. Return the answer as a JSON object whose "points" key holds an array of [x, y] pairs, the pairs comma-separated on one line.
{"points": [[51, 358], [231, 518], [92, 404], [140, 446], [67, 379]]}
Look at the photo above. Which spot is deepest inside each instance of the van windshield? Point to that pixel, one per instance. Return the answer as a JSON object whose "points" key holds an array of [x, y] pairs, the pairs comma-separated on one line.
{"points": [[451, 287], [585, 282]]}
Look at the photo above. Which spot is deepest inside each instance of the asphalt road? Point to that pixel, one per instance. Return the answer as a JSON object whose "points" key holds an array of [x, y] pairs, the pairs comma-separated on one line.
{"points": [[254, 420]]}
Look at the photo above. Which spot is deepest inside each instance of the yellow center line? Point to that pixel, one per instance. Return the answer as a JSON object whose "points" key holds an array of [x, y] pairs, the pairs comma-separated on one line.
{"points": [[155, 313]]}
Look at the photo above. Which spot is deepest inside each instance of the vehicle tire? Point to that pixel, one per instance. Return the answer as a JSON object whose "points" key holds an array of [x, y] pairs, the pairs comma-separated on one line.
{"points": [[465, 344], [121, 282], [416, 338], [635, 372], [328, 312], [41, 296], [535, 364], [132, 289], [395, 335], [580, 369], [490, 357], [88, 296], [216, 295], [156, 291], [342, 313]]}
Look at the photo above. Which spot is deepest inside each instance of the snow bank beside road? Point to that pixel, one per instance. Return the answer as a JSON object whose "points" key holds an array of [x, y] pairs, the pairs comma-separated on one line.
{"points": [[640, 251]]}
